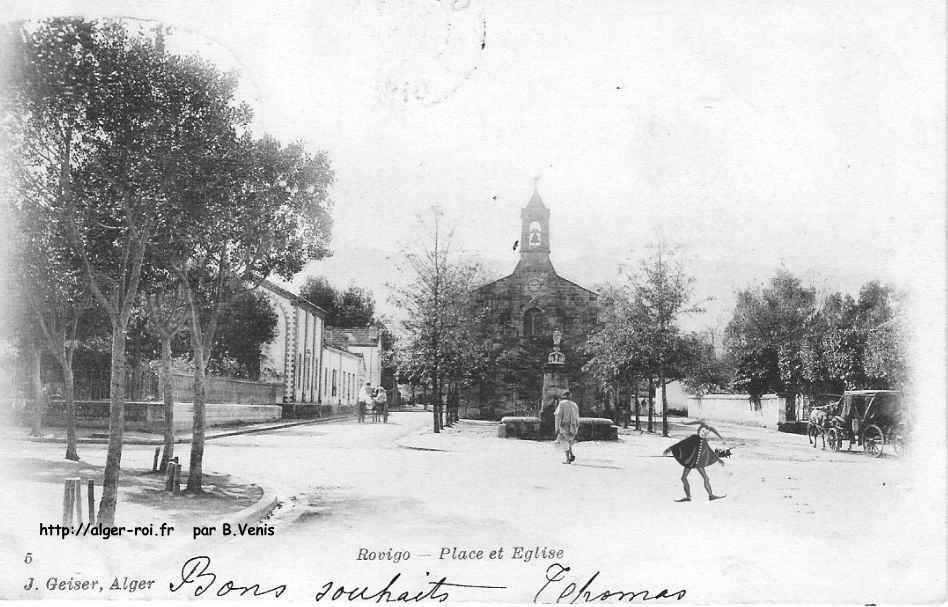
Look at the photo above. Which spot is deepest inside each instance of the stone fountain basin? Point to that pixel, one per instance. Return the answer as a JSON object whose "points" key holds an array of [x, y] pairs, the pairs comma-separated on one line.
{"points": [[525, 427]]}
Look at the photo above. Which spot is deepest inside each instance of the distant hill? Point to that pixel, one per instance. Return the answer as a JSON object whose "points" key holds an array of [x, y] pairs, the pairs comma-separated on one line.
{"points": [[715, 288]]}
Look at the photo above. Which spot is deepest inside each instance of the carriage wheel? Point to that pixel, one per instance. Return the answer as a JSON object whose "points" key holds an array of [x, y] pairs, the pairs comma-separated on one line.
{"points": [[834, 439], [812, 433], [873, 440]]}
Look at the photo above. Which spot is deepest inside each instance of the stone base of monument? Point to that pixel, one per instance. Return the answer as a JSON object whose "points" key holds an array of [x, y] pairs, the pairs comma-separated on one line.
{"points": [[528, 428]]}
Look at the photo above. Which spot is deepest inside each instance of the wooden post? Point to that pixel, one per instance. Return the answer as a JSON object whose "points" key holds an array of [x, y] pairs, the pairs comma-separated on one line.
{"points": [[169, 478], [90, 495], [77, 492], [154, 464], [177, 478], [69, 496]]}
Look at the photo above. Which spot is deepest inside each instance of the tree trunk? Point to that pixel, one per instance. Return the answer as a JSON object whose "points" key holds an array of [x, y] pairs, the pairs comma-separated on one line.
{"points": [[661, 381], [635, 398], [69, 393], [436, 406], [196, 465], [167, 395], [40, 399], [651, 402], [113, 460]]}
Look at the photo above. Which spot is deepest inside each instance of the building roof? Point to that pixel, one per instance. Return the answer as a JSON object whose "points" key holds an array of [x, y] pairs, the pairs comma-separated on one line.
{"points": [[343, 350], [296, 299], [535, 201], [555, 277], [343, 337]]}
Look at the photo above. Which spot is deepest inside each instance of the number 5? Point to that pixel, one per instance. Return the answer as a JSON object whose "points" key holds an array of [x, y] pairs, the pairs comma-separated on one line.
{"points": [[29, 558]]}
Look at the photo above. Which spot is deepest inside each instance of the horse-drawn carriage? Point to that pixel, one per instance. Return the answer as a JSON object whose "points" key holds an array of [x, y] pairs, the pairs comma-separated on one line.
{"points": [[871, 418]]}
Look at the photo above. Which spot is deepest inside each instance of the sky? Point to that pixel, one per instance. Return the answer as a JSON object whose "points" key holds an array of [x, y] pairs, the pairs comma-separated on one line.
{"points": [[755, 135]]}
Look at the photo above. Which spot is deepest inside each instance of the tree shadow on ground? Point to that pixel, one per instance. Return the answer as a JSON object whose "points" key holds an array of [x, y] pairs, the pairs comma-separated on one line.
{"points": [[222, 494]]}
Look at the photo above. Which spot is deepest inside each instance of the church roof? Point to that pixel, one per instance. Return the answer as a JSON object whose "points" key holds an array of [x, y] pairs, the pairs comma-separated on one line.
{"points": [[556, 276], [535, 201]]}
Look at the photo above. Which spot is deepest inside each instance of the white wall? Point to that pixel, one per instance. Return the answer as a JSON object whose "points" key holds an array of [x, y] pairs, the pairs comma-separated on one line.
{"points": [[274, 352], [675, 394], [307, 352], [295, 351], [738, 409], [350, 375], [372, 355]]}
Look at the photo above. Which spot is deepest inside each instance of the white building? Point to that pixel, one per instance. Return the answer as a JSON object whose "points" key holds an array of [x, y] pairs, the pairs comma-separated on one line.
{"points": [[293, 356], [366, 341], [314, 363], [343, 374]]}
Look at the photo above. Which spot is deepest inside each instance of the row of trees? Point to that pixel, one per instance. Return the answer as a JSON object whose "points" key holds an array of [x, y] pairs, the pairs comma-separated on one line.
{"points": [[781, 338], [639, 340], [352, 307], [785, 338], [138, 188]]}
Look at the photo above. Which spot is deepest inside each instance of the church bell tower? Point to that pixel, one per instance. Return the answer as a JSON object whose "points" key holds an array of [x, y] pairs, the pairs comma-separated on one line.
{"points": [[535, 234]]}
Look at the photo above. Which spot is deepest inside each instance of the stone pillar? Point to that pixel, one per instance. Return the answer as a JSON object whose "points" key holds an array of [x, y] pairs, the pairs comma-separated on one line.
{"points": [[555, 383]]}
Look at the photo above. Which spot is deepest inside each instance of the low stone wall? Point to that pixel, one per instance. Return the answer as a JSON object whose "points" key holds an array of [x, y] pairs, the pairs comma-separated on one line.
{"points": [[525, 427], [219, 415], [150, 416], [228, 390], [306, 410], [739, 409]]}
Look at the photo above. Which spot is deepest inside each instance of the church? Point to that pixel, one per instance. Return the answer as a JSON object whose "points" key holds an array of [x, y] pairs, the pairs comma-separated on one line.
{"points": [[523, 309]]}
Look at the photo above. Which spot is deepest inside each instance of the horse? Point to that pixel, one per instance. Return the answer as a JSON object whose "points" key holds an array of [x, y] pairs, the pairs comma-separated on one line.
{"points": [[818, 422]]}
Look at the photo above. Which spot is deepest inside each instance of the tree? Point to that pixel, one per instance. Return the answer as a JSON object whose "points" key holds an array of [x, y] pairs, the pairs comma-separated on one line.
{"points": [[318, 290], [438, 328], [85, 133], [881, 323], [885, 356], [660, 293], [353, 307], [617, 357], [830, 351], [705, 371], [51, 286], [250, 323], [766, 335], [857, 343], [59, 304], [356, 308], [269, 215], [166, 316]]}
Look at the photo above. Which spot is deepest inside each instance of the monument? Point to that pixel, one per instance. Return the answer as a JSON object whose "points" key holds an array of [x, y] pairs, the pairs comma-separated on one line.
{"points": [[555, 381], [541, 426]]}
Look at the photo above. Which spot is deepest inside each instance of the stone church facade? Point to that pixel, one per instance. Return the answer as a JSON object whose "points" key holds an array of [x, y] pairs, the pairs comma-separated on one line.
{"points": [[522, 311]]}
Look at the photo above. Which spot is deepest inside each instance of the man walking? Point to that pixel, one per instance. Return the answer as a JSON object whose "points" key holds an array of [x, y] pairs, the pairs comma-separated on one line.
{"points": [[381, 403], [567, 425], [365, 400]]}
